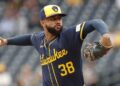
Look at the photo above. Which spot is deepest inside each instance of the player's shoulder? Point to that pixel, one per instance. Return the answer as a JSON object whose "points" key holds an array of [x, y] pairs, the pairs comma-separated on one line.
{"points": [[76, 27], [72, 28], [66, 29], [38, 34]]}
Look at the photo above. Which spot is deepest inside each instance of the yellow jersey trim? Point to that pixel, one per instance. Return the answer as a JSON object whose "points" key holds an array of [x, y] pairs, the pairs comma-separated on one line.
{"points": [[49, 67], [54, 75], [50, 76], [81, 31], [53, 68]]}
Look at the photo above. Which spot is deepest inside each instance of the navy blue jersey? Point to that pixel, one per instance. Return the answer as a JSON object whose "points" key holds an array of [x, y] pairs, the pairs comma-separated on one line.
{"points": [[61, 58]]}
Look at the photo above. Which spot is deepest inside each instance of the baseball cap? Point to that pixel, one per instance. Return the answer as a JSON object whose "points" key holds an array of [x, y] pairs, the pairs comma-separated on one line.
{"points": [[50, 10]]}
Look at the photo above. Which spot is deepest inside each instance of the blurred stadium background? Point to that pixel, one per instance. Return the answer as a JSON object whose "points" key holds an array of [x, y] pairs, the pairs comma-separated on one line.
{"points": [[21, 64]]}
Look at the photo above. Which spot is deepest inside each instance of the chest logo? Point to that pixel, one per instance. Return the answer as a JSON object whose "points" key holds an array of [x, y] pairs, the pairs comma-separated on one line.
{"points": [[56, 55]]}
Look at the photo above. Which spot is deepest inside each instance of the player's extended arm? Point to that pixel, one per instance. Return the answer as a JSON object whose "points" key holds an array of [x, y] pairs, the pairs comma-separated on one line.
{"points": [[24, 40], [97, 49]]}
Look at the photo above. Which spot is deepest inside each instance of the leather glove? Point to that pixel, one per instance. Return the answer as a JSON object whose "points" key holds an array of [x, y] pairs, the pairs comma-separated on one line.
{"points": [[94, 51]]}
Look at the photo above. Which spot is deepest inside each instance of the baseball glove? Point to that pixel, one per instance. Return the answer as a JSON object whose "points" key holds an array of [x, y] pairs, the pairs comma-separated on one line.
{"points": [[94, 51]]}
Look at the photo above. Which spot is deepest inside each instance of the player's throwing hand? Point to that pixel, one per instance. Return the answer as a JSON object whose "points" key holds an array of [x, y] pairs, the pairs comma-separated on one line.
{"points": [[3, 41], [106, 40]]}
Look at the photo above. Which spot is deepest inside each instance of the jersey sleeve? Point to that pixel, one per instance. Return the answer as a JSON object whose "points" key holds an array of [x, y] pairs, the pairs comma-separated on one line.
{"points": [[36, 39], [79, 29]]}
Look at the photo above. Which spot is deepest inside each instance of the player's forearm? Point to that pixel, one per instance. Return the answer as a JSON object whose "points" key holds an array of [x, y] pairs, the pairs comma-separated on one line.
{"points": [[24, 40]]}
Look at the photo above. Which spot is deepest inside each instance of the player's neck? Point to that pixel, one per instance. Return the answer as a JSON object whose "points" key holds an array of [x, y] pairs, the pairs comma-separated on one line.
{"points": [[49, 37]]}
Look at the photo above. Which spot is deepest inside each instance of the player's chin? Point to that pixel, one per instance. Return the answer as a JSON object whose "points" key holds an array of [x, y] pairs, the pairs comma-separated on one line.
{"points": [[58, 28], [58, 31]]}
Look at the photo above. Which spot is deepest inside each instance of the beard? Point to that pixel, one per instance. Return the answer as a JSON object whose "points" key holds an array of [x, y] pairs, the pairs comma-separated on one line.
{"points": [[53, 31]]}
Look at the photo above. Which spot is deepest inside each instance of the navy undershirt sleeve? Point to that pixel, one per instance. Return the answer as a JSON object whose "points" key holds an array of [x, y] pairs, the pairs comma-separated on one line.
{"points": [[95, 24], [24, 40]]}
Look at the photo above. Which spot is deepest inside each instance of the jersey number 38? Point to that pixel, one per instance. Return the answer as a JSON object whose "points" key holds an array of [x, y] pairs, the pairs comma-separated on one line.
{"points": [[66, 68]]}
